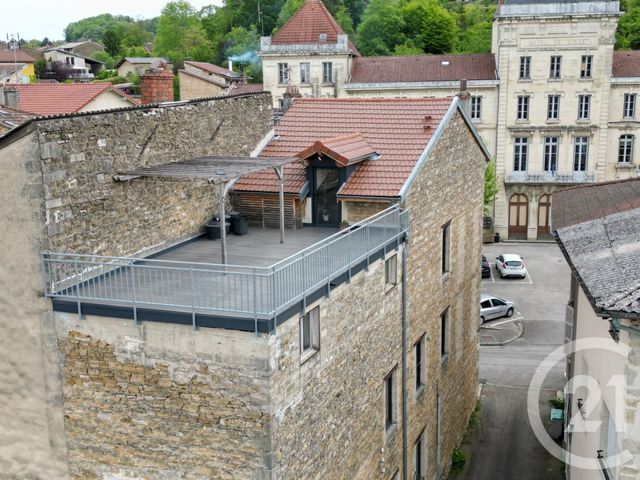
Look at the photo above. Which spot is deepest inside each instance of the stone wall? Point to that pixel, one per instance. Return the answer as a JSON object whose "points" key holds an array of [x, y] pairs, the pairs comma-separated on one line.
{"points": [[87, 211], [193, 87], [354, 212], [328, 412], [164, 402], [448, 188]]}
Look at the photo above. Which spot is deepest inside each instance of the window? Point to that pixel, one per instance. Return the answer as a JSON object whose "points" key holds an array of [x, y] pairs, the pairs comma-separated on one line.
{"points": [[444, 335], [327, 72], [520, 154], [523, 107], [418, 450], [389, 400], [629, 107], [553, 107], [419, 349], [283, 73], [525, 68], [305, 73], [391, 270], [580, 154], [585, 66], [584, 102], [445, 247], [485, 304], [476, 108], [554, 69], [551, 153], [625, 148], [310, 333]]}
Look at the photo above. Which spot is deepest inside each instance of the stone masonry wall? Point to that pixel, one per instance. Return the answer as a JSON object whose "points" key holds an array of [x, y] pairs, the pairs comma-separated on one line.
{"points": [[87, 211], [192, 87], [449, 188], [358, 211], [164, 402], [328, 412]]}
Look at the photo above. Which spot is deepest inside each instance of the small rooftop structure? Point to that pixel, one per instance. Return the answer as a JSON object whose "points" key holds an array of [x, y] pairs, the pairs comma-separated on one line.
{"points": [[344, 149]]}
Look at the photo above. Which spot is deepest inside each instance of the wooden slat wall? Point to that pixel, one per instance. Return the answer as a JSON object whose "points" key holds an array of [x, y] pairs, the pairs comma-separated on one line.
{"points": [[263, 211]]}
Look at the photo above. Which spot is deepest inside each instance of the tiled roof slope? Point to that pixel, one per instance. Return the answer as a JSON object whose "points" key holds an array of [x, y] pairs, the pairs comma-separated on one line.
{"points": [[211, 68], [6, 56], [238, 88], [10, 118], [306, 25], [589, 202], [626, 64], [423, 68], [397, 129], [59, 98]]}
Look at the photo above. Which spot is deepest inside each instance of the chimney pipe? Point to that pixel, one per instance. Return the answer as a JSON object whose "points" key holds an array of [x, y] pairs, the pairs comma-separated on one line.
{"points": [[230, 65], [9, 97], [464, 96]]}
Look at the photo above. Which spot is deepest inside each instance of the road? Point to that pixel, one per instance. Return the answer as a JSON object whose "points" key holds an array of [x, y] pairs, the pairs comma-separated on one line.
{"points": [[503, 445]]}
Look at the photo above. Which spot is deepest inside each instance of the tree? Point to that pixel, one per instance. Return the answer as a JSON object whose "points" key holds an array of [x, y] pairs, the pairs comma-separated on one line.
{"points": [[180, 33], [111, 40], [628, 33], [104, 57], [381, 29], [286, 12], [45, 42], [407, 49], [490, 186], [241, 46], [432, 27], [40, 67], [91, 27], [58, 71], [343, 17], [476, 39]]}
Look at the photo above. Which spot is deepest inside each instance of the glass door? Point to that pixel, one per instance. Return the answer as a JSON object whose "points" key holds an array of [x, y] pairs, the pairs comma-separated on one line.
{"points": [[326, 208]]}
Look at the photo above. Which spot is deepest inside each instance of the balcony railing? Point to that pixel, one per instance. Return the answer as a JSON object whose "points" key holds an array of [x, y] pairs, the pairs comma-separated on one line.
{"points": [[215, 289], [549, 177]]}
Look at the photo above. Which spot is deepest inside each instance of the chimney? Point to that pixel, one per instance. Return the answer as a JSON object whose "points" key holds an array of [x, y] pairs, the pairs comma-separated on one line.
{"points": [[9, 97], [230, 65], [156, 85], [464, 96]]}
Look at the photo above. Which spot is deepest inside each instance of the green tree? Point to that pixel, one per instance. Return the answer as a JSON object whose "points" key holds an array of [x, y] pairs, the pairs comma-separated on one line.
{"points": [[111, 40], [432, 27], [91, 27], [180, 33], [135, 34], [476, 39], [286, 12], [104, 57], [490, 186], [407, 49], [628, 33], [381, 29], [344, 19], [241, 46]]}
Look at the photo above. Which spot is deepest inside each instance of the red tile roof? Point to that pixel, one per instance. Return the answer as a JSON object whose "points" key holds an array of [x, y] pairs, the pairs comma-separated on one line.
{"points": [[590, 202], [211, 68], [423, 68], [344, 149], [626, 64], [306, 26], [397, 129], [59, 98], [6, 56], [238, 88]]}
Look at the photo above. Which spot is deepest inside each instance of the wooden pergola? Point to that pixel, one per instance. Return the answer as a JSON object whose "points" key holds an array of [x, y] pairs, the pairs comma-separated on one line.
{"points": [[221, 171]]}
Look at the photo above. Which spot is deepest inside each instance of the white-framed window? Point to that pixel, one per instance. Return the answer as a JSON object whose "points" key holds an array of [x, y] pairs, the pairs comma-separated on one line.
{"points": [[476, 108], [586, 66], [283, 73], [520, 154], [390, 414], [445, 248], [391, 270], [555, 67], [625, 148], [580, 154], [525, 68], [523, 107], [553, 107], [584, 107], [418, 458], [310, 333], [551, 153], [305, 73], [629, 105], [444, 335], [420, 360], [327, 72]]}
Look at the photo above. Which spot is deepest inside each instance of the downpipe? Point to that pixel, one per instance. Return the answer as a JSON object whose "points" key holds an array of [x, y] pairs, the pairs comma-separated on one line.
{"points": [[405, 346]]}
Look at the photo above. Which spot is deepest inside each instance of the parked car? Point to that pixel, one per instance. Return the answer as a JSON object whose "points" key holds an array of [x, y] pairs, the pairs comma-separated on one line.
{"points": [[511, 265], [485, 268], [493, 307]]}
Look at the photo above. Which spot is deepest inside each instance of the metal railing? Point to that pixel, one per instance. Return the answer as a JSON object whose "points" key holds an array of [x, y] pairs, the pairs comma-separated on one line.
{"points": [[244, 291], [550, 177]]}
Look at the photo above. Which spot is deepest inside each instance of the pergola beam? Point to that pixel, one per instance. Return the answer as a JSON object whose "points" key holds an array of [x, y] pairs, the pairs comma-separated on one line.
{"points": [[280, 176]]}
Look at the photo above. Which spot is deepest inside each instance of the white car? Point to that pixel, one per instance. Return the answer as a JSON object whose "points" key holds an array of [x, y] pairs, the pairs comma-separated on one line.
{"points": [[493, 307], [511, 265]]}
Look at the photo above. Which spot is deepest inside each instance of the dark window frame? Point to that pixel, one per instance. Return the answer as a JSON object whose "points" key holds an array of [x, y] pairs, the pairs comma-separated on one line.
{"points": [[551, 149], [445, 248], [580, 154], [444, 335], [555, 67], [520, 154], [283, 73], [629, 105], [525, 68], [626, 145], [584, 106], [553, 107], [586, 66], [522, 112], [305, 67], [476, 107], [327, 72], [390, 414]]}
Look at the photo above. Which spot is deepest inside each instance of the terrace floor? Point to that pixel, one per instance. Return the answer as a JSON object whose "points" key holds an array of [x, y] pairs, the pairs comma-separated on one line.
{"points": [[258, 248]]}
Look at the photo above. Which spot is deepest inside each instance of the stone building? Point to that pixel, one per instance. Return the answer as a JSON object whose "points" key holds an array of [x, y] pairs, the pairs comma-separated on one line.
{"points": [[150, 357], [554, 103], [597, 229], [201, 79]]}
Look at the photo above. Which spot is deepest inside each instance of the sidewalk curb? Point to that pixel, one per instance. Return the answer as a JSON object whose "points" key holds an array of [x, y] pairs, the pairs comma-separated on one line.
{"points": [[518, 334]]}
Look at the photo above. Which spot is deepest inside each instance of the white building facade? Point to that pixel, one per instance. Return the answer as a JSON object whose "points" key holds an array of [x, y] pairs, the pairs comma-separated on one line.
{"points": [[554, 103]]}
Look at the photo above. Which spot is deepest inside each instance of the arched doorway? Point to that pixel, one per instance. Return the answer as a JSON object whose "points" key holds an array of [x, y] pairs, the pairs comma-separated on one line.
{"points": [[518, 216], [544, 206]]}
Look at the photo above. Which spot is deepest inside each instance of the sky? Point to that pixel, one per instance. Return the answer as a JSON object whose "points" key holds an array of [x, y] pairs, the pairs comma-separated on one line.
{"points": [[48, 18]]}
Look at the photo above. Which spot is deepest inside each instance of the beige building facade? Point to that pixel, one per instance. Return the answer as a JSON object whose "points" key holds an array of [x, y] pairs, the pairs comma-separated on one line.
{"points": [[554, 103]]}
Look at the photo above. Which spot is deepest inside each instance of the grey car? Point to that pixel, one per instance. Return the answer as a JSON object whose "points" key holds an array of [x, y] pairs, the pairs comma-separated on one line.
{"points": [[493, 307]]}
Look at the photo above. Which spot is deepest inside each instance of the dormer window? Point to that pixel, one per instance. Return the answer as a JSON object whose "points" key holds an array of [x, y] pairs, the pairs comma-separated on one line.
{"points": [[323, 37]]}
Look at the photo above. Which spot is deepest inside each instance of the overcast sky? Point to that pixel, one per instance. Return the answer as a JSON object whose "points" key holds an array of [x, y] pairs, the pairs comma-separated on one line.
{"points": [[48, 18]]}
